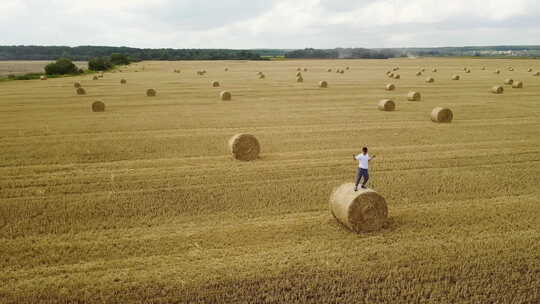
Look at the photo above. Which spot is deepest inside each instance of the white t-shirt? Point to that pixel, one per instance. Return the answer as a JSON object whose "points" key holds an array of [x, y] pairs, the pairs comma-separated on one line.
{"points": [[363, 160]]}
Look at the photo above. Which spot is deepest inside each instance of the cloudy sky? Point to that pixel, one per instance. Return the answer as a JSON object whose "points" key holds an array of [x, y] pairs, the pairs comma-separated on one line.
{"points": [[269, 23]]}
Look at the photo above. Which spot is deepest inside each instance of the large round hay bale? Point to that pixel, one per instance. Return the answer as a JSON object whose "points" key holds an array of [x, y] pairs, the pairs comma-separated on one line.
{"points": [[497, 90], [151, 92], [298, 74], [123, 81], [298, 69], [418, 73], [299, 79], [386, 105], [262, 76], [342, 71], [98, 106], [434, 70], [361, 211], [226, 69], [456, 77], [244, 147], [95, 77], [422, 70], [497, 71], [77, 85], [305, 69], [323, 84], [430, 79], [225, 95], [536, 74], [483, 68], [511, 69], [397, 76], [215, 84], [467, 71], [517, 85], [81, 91], [529, 70], [391, 75], [390, 87], [43, 77], [395, 69], [329, 70], [414, 96], [440, 114], [509, 81]]}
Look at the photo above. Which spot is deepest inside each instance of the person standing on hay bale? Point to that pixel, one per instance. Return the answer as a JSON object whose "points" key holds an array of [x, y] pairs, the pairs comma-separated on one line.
{"points": [[363, 166]]}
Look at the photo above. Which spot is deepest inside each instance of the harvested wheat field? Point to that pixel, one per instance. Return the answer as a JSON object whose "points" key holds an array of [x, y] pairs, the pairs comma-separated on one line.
{"points": [[143, 203]]}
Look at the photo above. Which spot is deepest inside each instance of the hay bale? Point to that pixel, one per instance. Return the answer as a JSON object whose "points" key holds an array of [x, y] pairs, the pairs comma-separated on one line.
{"points": [[362, 211], [77, 85], [511, 69], [456, 77], [497, 71], [299, 79], [226, 69], [434, 70], [390, 87], [123, 81], [430, 79], [440, 114], [95, 77], [467, 71], [98, 106], [342, 71], [244, 147], [262, 76], [305, 69], [497, 90], [414, 96], [323, 84], [151, 93], [483, 68], [298, 69], [529, 70], [391, 75], [298, 74], [418, 73], [215, 84], [225, 95], [422, 70], [386, 105], [347, 68], [508, 81], [518, 85], [43, 77], [397, 76], [395, 69], [329, 70], [536, 74], [81, 91]]}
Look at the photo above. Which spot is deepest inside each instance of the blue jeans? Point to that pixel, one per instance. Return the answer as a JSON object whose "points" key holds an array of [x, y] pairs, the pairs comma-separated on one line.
{"points": [[362, 173]]}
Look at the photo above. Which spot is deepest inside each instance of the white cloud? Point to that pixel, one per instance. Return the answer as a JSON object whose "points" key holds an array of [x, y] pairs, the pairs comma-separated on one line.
{"points": [[269, 23]]}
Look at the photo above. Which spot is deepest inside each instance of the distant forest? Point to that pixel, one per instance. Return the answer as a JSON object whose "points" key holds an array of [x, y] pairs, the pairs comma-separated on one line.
{"points": [[84, 53]]}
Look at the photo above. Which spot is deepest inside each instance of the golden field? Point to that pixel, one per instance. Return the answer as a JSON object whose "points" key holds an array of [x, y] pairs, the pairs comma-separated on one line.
{"points": [[143, 203]]}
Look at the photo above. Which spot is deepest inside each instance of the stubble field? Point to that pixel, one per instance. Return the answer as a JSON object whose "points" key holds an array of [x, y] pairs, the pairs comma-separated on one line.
{"points": [[143, 203]]}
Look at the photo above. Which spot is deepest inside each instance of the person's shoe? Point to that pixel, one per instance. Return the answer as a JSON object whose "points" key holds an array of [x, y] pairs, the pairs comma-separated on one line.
{"points": [[355, 189], [364, 187]]}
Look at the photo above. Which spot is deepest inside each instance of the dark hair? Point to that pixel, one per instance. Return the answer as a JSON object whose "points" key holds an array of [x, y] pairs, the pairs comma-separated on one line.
{"points": [[364, 149]]}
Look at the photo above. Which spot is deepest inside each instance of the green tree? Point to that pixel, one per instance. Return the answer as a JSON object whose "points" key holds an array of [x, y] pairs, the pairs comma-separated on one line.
{"points": [[119, 59], [62, 66], [99, 64]]}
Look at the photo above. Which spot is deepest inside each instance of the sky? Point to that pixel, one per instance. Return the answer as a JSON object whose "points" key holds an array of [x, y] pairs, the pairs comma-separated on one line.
{"points": [[286, 24]]}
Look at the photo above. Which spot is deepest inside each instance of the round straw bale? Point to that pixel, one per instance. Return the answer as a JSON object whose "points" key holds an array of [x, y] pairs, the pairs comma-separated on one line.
{"points": [[215, 84], [226, 69], [81, 91], [298, 69], [347, 68], [342, 71], [77, 85], [361, 211], [123, 81], [456, 77], [299, 79], [397, 76], [244, 147], [517, 85], [151, 92], [323, 84], [418, 73], [95, 77], [43, 77], [395, 69], [497, 90], [98, 106], [391, 75], [386, 105], [298, 74], [497, 71], [305, 69], [511, 69], [262, 76], [390, 87], [483, 68], [422, 70], [414, 96], [536, 74], [440, 114], [434, 70], [329, 70], [509, 81], [430, 79], [225, 95], [529, 70], [467, 71]]}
